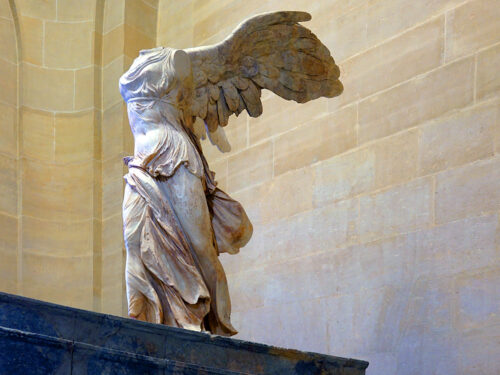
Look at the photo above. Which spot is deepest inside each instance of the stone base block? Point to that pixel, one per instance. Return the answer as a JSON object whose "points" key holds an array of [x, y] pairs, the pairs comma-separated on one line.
{"points": [[43, 338]]}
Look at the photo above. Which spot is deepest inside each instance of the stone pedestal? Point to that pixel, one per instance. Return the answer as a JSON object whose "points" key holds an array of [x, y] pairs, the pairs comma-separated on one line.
{"points": [[43, 338]]}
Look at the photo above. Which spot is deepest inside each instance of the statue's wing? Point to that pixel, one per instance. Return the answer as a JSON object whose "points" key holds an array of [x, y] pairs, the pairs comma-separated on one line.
{"points": [[269, 51]]}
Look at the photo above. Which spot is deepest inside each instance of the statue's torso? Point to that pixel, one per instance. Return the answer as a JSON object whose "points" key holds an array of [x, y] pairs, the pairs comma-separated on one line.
{"points": [[150, 88]]}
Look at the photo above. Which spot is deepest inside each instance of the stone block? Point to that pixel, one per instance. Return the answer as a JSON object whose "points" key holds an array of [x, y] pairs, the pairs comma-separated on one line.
{"points": [[112, 132], [88, 360], [8, 47], [322, 229], [113, 269], [471, 190], [286, 195], [74, 137], [97, 189], [146, 22], [396, 159], [248, 199], [456, 140], [8, 253], [112, 187], [8, 231], [168, 13], [322, 11], [400, 209], [317, 140], [344, 176], [112, 299], [112, 234], [34, 354], [206, 27], [479, 299], [57, 238], [278, 325], [75, 39], [432, 306], [57, 192], [8, 269], [488, 80], [128, 137], [478, 350], [75, 10], [456, 247], [378, 264], [268, 289], [38, 134], [334, 272], [114, 14], [5, 10], [135, 40], [42, 275], [428, 343], [152, 3], [330, 272], [9, 126], [472, 26], [34, 8], [250, 167], [366, 321], [8, 185], [84, 88], [107, 344], [420, 353], [417, 101], [369, 23], [497, 132], [112, 44], [31, 30], [110, 76], [8, 77], [280, 116], [236, 133], [48, 89], [409, 54], [340, 322]]}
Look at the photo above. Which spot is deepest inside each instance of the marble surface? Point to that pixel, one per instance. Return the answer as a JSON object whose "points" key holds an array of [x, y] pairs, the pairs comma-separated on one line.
{"points": [[176, 219], [42, 338]]}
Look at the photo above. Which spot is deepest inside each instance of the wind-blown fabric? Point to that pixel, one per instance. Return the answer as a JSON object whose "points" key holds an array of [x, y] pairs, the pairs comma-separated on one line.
{"points": [[163, 283]]}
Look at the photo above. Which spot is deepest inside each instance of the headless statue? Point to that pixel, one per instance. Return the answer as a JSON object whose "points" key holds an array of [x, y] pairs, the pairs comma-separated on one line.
{"points": [[176, 220]]}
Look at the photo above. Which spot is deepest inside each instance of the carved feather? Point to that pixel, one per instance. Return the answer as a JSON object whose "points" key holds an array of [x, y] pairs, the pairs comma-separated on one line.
{"points": [[269, 51]]}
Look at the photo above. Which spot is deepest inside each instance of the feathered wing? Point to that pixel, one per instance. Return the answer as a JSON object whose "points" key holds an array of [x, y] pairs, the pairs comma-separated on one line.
{"points": [[269, 51]]}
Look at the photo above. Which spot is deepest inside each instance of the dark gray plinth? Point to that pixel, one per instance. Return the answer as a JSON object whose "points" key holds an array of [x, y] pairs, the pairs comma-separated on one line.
{"points": [[43, 338]]}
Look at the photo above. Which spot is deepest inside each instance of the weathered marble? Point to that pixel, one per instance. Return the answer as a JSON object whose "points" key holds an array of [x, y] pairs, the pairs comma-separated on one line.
{"points": [[42, 338], [176, 220]]}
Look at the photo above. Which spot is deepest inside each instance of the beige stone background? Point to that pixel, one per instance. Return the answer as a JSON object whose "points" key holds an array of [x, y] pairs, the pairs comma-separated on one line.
{"points": [[376, 214]]}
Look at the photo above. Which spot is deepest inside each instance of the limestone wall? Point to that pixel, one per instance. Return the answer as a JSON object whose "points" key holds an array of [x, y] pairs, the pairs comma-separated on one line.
{"points": [[60, 149], [9, 150], [376, 214]]}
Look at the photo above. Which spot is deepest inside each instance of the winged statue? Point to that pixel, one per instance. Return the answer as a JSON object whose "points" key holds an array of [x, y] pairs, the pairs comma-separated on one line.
{"points": [[176, 220]]}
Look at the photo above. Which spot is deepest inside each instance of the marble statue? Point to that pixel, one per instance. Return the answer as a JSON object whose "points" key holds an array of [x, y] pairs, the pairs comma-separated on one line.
{"points": [[176, 220]]}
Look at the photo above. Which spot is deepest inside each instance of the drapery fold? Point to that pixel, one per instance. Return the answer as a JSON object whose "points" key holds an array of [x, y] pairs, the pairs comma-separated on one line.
{"points": [[165, 282]]}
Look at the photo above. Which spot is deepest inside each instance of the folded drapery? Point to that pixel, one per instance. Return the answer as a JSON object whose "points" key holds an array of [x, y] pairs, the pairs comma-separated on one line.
{"points": [[172, 277]]}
